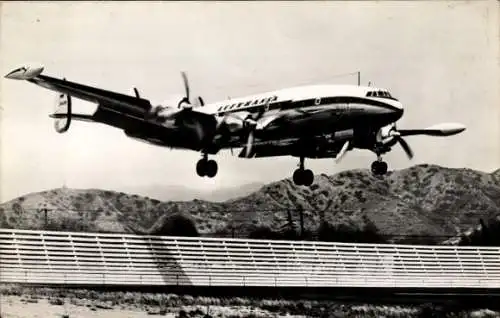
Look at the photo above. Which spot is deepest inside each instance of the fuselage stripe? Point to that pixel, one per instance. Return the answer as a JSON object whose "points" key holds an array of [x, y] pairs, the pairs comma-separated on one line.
{"points": [[290, 105]]}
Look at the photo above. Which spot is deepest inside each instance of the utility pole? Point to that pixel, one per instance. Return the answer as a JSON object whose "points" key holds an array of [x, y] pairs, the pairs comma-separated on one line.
{"points": [[290, 220], [301, 223], [45, 216]]}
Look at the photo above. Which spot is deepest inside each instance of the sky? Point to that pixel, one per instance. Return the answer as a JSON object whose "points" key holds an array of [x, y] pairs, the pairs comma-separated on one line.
{"points": [[440, 59]]}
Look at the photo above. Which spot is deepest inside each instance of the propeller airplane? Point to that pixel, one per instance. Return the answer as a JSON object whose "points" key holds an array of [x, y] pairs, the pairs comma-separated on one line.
{"points": [[313, 121]]}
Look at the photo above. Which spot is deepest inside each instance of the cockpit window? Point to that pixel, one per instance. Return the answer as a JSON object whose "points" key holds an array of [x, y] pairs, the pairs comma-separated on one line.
{"points": [[380, 93]]}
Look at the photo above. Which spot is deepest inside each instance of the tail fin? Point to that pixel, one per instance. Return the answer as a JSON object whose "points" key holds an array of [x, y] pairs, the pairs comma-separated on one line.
{"points": [[63, 106]]}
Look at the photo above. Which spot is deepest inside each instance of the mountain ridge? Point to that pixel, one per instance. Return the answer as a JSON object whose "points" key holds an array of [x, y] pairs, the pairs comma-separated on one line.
{"points": [[423, 200], [183, 193]]}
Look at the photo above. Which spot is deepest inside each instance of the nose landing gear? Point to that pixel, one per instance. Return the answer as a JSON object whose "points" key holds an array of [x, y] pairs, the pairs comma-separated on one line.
{"points": [[206, 167], [303, 176], [379, 167]]}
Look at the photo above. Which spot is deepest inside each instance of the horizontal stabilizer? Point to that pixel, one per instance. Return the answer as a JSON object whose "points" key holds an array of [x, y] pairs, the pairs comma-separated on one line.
{"points": [[25, 72], [81, 117]]}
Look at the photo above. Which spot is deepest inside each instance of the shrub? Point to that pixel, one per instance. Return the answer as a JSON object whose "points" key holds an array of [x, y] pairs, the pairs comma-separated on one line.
{"points": [[263, 233], [345, 233], [68, 224], [177, 225], [489, 235]]}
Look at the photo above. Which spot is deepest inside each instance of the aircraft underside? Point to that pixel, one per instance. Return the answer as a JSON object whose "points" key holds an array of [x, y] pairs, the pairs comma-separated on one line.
{"points": [[322, 135]]}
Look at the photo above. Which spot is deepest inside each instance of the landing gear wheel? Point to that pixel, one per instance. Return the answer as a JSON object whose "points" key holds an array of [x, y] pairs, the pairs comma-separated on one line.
{"points": [[207, 168], [201, 167], [307, 177], [379, 168], [297, 176], [211, 168], [303, 177]]}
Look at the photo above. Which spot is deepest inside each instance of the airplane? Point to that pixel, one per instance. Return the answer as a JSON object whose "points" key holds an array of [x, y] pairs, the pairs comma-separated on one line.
{"points": [[311, 121]]}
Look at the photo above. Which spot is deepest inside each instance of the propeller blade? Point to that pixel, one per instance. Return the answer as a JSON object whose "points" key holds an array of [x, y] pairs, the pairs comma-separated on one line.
{"points": [[248, 149], [202, 103], [406, 147], [342, 152], [186, 84]]}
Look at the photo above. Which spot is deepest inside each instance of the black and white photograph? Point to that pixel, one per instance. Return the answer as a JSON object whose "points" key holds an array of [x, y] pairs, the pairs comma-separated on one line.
{"points": [[249, 159]]}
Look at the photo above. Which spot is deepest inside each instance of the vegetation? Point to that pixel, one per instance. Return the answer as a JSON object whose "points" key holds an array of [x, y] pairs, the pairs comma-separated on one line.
{"points": [[485, 234], [202, 306], [423, 204]]}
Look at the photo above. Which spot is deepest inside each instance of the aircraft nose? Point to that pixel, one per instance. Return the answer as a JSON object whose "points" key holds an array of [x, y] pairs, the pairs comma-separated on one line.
{"points": [[398, 109]]}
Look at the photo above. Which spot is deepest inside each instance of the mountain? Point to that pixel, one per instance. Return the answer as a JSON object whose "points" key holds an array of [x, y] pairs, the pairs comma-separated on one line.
{"points": [[423, 200], [181, 193]]}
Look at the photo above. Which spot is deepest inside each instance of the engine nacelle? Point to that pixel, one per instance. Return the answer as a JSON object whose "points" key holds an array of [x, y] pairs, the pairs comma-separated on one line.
{"points": [[236, 121], [386, 134]]}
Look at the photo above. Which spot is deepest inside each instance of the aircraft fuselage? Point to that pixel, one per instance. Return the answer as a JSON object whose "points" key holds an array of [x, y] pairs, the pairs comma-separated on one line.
{"points": [[296, 114]]}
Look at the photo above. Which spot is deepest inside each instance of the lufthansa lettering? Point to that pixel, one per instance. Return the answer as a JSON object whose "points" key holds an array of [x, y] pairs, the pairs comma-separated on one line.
{"points": [[253, 102]]}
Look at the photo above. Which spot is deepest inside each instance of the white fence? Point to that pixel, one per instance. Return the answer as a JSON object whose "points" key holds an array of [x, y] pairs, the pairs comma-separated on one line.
{"points": [[114, 259]]}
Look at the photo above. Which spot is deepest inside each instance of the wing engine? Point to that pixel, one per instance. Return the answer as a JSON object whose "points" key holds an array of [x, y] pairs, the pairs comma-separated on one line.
{"points": [[163, 111]]}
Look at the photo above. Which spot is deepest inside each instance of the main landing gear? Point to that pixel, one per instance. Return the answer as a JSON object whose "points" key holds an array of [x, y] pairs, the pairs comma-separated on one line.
{"points": [[206, 167], [303, 176], [379, 167]]}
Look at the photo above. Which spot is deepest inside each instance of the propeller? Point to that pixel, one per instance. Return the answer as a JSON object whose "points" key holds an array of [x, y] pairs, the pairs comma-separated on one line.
{"points": [[405, 147], [186, 89], [186, 99], [342, 152], [251, 124], [390, 135], [185, 102]]}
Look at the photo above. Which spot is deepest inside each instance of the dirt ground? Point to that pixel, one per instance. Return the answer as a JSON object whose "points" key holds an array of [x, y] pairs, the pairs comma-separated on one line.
{"points": [[13, 307]]}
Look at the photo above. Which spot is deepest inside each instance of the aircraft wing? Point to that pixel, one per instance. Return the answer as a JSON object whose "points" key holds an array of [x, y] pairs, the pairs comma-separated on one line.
{"points": [[118, 106]]}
